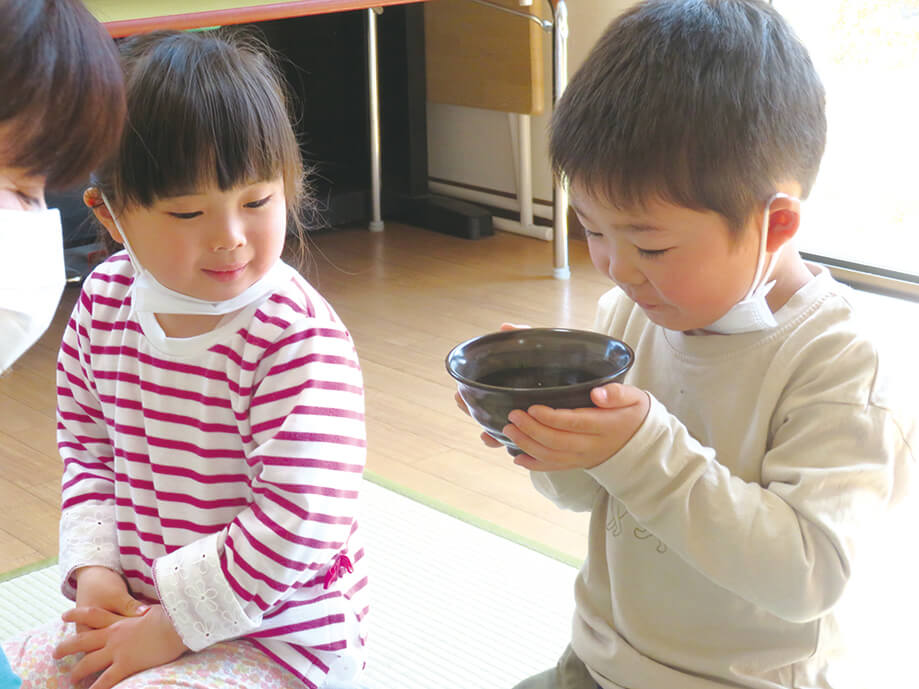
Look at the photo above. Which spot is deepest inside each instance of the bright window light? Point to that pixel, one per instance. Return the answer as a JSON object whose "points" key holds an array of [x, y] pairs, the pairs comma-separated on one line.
{"points": [[865, 205]]}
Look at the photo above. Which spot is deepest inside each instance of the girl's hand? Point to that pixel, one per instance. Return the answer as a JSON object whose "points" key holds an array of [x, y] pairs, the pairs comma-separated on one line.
{"points": [[119, 648], [556, 439], [101, 587]]}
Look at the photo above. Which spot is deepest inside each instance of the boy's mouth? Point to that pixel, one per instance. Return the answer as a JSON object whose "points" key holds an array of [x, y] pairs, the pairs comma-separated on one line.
{"points": [[643, 304]]}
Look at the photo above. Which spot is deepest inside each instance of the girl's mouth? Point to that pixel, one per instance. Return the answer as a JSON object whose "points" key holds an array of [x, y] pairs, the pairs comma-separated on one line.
{"points": [[227, 273]]}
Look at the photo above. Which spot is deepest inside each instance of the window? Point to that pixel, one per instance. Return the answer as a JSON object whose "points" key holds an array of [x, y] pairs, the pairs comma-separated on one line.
{"points": [[864, 210], [862, 219]]}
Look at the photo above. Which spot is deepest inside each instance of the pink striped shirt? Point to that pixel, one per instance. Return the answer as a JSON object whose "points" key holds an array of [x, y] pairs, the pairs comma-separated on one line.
{"points": [[220, 473]]}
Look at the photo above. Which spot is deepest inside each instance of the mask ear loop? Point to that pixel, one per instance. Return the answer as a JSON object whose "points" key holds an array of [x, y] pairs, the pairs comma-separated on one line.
{"points": [[763, 269], [124, 237]]}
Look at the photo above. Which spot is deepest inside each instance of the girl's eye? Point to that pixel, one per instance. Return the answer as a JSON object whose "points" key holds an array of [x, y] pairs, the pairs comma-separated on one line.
{"points": [[186, 216], [651, 253], [259, 203], [591, 233]]}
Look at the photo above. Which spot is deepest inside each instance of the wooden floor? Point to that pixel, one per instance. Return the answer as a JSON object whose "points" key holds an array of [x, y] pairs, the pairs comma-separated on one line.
{"points": [[407, 295]]}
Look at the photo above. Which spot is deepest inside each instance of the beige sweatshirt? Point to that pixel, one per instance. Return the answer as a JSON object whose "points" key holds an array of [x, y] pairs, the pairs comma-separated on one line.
{"points": [[722, 535]]}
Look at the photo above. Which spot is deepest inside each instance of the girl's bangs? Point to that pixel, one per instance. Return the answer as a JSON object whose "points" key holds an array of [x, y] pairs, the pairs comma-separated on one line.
{"points": [[220, 128]]}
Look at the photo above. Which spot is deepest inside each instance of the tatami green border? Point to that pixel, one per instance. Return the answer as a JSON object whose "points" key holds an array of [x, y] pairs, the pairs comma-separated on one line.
{"points": [[478, 522], [27, 569]]}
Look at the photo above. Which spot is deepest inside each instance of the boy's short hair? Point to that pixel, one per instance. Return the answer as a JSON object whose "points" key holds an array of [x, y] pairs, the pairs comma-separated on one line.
{"points": [[708, 104], [62, 89]]}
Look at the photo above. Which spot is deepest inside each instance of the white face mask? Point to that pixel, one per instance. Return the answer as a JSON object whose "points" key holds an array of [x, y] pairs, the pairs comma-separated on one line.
{"points": [[31, 278], [149, 295], [752, 313]]}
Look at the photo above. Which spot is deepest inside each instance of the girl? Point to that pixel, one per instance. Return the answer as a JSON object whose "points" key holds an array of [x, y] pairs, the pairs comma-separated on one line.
{"points": [[210, 404]]}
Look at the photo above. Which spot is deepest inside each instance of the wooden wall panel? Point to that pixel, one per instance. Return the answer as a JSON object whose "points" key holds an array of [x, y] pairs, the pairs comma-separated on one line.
{"points": [[482, 57]]}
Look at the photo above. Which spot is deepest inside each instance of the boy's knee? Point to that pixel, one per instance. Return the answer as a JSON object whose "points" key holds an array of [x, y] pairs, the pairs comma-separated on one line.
{"points": [[544, 680], [569, 673]]}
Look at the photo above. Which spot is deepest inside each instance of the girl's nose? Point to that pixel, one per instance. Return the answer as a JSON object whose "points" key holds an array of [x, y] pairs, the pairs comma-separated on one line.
{"points": [[229, 235]]}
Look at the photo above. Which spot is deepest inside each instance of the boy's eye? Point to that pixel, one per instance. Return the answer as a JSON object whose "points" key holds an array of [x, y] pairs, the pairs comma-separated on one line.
{"points": [[591, 233], [259, 203], [185, 216], [651, 253]]}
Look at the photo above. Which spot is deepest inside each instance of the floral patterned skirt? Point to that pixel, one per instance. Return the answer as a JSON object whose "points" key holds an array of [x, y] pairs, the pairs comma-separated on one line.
{"points": [[235, 664]]}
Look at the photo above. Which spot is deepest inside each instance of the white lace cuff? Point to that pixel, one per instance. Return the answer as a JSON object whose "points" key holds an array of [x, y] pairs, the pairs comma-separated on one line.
{"points": [[197, 597], [89, 536]]}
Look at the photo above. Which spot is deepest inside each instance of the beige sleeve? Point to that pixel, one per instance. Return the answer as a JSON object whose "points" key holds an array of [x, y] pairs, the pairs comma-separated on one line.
{"points": [[785, 545]]}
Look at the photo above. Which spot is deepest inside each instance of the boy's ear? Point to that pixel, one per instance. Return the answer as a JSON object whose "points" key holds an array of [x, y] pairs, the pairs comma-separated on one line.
{"points": [[784, 220], [92, 199]]}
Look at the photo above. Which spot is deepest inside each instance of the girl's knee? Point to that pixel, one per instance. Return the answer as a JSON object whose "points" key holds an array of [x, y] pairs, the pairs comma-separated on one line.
{"points": [[31, 657]]}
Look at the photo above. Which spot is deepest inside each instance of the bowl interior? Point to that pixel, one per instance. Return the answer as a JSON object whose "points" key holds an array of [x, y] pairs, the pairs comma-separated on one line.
{"points": [[538, 358]]}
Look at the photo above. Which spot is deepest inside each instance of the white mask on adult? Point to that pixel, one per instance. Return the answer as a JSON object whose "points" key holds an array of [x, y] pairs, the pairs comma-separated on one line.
{"points": [[752, 313], [149, 295], [31, 278]]}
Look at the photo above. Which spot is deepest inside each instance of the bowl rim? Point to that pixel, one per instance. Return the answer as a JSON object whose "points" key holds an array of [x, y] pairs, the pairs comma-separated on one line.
{"points": [[500, 334]]}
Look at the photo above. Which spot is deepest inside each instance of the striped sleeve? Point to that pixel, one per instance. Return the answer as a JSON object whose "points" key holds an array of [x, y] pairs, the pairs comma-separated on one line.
{"points": [[302, 424], [88, 531]]}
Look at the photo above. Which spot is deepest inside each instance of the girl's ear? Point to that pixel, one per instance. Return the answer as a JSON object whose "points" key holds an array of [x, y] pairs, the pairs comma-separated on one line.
{"points": [[92, 199], [784, 220]]}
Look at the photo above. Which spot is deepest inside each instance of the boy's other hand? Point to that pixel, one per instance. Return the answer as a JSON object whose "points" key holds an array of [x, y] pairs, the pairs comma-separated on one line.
{"points": [[487, 439], [101, 587], [557, 439]]}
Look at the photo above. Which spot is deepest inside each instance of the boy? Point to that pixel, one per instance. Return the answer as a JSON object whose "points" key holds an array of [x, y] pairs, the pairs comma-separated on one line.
{"points": [[730, 479]]}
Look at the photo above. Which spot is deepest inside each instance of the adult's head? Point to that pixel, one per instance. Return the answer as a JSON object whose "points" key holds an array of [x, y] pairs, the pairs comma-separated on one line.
{"points": [[62, 108], [62, 104]]}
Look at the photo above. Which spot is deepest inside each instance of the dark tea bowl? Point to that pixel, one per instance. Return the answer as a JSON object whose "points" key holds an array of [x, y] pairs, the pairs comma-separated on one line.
{"points": [[514, 369]]}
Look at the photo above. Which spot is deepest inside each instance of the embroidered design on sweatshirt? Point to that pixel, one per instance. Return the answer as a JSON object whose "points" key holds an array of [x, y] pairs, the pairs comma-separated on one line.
{"points": [[615, 525]]}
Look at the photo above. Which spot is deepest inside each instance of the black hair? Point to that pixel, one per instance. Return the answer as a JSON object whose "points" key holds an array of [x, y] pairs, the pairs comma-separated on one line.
{"points": [[204, 107], [708, 104], [62, 106]]}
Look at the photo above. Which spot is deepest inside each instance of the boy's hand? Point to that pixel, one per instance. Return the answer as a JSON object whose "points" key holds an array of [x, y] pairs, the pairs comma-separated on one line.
{"points": [[101, 587], [119, 646], [556, 439]]}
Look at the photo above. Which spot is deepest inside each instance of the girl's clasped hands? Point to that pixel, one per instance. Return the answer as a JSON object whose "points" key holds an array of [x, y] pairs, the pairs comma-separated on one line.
{"points": [[117, 634]]}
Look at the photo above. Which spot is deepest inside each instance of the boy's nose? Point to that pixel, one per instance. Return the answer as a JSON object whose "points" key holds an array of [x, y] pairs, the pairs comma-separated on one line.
{"points": [[622, 271]]}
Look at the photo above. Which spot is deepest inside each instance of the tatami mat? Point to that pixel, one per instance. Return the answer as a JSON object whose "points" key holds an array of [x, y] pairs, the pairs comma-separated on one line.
{"points": [[454, 606]]}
